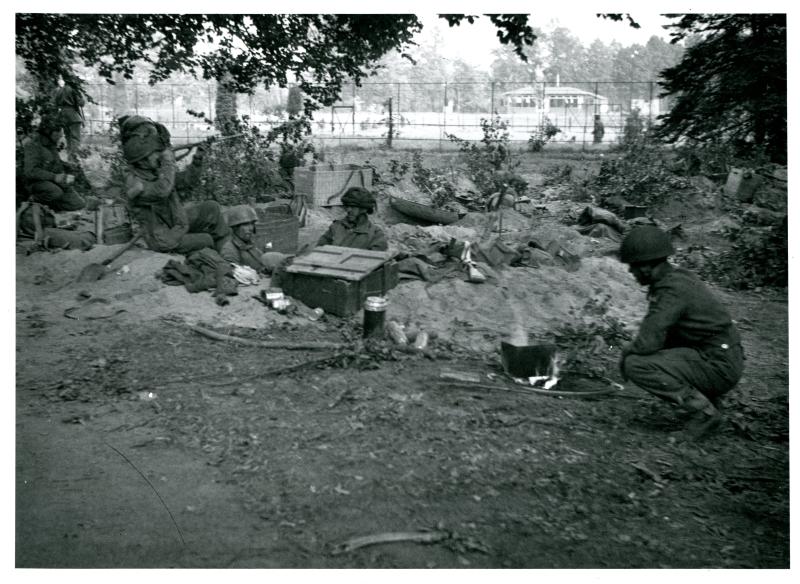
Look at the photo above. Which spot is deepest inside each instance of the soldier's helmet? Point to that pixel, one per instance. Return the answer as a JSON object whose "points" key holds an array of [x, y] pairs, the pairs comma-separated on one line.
{"points": [[645, 243], [240, 214]]}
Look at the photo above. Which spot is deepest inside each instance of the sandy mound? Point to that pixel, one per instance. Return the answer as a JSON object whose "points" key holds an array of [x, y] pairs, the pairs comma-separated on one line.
{"points": [[475, 315], [479, 315]]}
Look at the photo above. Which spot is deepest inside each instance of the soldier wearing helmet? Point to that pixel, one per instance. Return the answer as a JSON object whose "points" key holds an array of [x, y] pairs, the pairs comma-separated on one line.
{"points": [[355, 229], [687, 350], [50, 180], [240, 248], [152, 182]]}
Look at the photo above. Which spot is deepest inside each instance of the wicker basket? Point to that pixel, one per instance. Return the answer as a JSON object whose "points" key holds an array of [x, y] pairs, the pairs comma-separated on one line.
{"points": [[323, 186]]}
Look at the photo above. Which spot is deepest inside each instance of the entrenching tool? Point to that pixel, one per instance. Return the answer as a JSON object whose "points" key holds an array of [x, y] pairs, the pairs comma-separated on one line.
{"points": [[94, 272]]}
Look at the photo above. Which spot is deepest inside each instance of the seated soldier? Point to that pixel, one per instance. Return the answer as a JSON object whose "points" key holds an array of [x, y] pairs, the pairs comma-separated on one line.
{"points": [[355, 229], [240, 248], [50, 180], [150, 184]]}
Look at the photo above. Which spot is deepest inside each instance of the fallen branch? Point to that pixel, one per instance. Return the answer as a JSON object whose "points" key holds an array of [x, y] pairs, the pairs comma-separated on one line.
{"points": [[392, 537], [530, 390], [266, 344]]}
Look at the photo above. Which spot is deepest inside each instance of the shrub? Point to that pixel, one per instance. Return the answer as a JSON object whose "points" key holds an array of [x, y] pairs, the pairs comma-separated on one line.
{"points": [[638, 173], [759, 257], [249, 168], [542, 136], [489, 162]]}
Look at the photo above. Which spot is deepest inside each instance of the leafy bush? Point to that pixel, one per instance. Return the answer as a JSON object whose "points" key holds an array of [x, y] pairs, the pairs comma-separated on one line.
{"points": [[759, 257], [489, 162], [591, 339], [542, 136], [434, 182], [633, 129], [248, 168], [639, 173]]}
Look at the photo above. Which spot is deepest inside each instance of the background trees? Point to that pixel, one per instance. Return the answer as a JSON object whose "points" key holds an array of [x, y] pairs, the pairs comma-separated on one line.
{"points": [[317, 51], [730, 86]]}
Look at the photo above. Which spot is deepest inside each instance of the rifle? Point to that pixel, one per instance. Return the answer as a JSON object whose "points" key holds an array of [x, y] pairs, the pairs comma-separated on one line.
{"points": [[209, 140]]}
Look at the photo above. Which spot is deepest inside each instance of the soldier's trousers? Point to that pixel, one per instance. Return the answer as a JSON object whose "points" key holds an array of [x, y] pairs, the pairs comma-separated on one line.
{"points": [[678, 374], [59, 199], [207, 228]]}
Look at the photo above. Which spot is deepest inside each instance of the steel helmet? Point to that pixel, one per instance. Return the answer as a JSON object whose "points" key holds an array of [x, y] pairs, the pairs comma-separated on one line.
{"points": [[137, 148], [240, 214], [645, 243], [359, 197], [49, 123]]}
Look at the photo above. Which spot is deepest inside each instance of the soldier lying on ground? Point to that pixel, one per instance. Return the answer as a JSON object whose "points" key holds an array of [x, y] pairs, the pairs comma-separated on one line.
{"points": [[49, 180], [688, 350], [150, 185]]}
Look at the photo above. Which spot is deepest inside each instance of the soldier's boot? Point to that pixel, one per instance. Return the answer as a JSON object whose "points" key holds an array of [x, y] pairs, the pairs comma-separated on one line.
{"points": [[706, 417]]}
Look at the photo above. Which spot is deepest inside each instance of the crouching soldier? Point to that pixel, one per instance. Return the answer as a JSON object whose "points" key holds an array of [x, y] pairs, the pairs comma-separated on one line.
{"points": [[150, 184], [355, 229], [49, 180], [687, 350]]}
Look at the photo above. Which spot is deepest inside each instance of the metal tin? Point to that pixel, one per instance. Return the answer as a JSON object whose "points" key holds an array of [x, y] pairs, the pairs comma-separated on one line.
{"points": [[527, 360], [376, 304], [273, 294], [281, 304], [375, 316]]}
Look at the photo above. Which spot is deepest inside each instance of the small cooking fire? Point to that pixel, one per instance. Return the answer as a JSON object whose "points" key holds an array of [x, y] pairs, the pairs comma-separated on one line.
{"points": [[533, 365], [550, 379]]}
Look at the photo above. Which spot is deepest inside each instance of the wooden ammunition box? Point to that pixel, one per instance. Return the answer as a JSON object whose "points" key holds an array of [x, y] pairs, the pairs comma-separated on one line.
{"points": [[278, 226], [338, 279]]}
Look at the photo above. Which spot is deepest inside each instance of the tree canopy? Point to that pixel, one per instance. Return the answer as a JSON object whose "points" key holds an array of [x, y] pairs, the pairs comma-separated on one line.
{"points": [[730, 85], [318, 51]]}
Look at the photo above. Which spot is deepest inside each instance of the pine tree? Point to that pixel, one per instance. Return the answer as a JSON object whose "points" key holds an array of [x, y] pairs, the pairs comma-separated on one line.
{"points": [[730, 85]]}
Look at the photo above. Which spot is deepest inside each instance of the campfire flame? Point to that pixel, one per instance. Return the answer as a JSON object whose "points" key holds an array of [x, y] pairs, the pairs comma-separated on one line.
{"points": [[550, 380]]}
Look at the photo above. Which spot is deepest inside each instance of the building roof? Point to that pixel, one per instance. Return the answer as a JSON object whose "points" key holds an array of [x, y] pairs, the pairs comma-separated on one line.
{"points": [[550, 90]]}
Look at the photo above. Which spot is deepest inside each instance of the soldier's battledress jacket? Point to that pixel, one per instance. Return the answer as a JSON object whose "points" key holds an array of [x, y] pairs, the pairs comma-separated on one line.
{"points": [[41, 160], [158, 209], [683, 313], [238, 252], [363, 235]]}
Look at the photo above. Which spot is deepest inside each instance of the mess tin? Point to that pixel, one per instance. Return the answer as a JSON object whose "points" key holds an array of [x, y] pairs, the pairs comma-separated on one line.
{"points": [[527, 360]]}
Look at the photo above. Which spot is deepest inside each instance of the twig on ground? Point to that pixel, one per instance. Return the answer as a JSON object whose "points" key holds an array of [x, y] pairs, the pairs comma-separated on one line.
{"points": [[266, 344], [128, 460], [531, 390], [391, 537]]}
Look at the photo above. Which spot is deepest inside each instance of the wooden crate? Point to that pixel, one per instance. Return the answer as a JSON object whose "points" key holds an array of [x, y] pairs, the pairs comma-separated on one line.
{"points": [[324, 185], [278, 226], [338, 279]]}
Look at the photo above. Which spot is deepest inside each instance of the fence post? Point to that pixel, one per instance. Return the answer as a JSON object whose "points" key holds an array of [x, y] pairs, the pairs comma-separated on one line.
{"points": [[491, 102], [444, 117], [172, 100], [354, 109], [391, 124], [398, 100], [650, 102], [136, 98], [210, 113]]}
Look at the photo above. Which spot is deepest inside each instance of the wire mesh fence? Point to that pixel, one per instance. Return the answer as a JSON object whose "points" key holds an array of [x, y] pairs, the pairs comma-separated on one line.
{"points": [[586, 113]]}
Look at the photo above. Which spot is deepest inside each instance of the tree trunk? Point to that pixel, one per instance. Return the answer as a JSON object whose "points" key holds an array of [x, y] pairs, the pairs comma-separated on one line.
{"points": [[226, 119]]}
